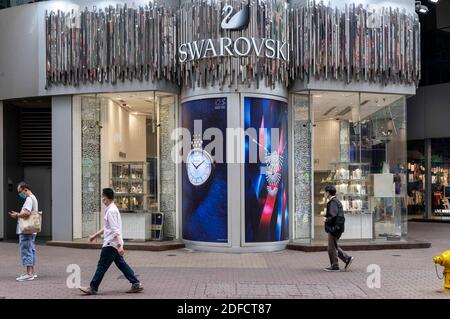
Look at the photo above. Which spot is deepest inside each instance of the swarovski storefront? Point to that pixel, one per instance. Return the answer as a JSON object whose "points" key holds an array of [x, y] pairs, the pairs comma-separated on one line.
{"points": [[228, 117]]}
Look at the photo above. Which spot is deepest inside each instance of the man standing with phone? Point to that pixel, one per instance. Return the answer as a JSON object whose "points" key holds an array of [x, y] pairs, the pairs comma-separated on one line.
{"points": [[26, 241], [112, 250]]}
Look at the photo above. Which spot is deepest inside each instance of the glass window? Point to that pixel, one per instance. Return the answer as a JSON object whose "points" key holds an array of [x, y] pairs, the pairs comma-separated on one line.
{"points": [[126, 145], [416, 179], [360, 147], [440, 170]]}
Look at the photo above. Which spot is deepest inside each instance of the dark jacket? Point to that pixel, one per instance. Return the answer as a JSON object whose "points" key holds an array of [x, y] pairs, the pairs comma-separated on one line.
{"points": [[334, 218]]}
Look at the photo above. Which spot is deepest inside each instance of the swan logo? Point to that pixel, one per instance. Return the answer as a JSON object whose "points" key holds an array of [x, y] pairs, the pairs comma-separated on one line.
{"points": [[235, 22]]}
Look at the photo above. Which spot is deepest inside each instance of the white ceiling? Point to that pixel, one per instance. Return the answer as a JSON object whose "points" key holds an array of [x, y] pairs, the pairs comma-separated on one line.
{"points": [[339, 105], [138, 103]]}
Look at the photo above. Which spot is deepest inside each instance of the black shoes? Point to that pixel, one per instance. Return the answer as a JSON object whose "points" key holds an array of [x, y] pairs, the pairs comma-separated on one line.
{"points": [[336, 268], [331, 269], [349, 262]]}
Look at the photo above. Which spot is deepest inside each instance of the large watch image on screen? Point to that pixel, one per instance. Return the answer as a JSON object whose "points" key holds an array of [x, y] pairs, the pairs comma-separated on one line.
{"points": [[204, 181]]}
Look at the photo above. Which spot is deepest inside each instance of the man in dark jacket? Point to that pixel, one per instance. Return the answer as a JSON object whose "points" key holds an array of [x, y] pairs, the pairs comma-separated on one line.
{"points": [[334, 226]]}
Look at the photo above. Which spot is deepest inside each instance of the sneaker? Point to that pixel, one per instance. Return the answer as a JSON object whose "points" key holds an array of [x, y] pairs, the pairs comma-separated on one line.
{"points": [[136, 288], [330, 269], [25, 277], [20, 277], [88, 291], [35, 275], [349, 262]]}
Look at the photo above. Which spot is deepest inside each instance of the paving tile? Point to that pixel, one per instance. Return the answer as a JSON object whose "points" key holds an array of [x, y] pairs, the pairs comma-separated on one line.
{"points": [[182, 274]]}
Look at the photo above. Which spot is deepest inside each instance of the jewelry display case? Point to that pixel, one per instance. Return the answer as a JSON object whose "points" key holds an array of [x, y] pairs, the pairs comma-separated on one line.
{"points": [[352, 184], [129, 182]]}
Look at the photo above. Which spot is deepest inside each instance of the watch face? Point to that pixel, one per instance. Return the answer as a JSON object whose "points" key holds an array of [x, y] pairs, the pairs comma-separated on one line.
{"points": [[199, 166]]}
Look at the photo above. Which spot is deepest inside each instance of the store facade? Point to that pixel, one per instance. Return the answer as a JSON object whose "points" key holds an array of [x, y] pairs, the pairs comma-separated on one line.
{"points": [[428, 154], [227, 117]]}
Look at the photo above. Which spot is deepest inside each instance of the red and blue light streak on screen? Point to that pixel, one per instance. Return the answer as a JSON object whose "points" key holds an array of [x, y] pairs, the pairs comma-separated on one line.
{"points": [[266, 180]]}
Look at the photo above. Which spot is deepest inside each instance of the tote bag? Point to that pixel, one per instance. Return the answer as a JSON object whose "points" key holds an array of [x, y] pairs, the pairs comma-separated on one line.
{"points": [[31, 224]]}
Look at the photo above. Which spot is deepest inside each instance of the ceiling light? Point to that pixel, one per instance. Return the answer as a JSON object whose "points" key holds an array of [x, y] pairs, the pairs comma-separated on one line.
{"points": [[345, 111], [329, 111], [364, 102], [434, 1]]}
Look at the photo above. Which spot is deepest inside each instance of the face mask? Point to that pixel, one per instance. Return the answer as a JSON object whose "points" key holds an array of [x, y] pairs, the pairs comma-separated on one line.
{"points": [[22, 196]]}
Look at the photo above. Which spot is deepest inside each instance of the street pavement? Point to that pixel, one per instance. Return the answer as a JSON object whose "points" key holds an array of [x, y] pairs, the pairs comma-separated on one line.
{"points": [[408, 273]]}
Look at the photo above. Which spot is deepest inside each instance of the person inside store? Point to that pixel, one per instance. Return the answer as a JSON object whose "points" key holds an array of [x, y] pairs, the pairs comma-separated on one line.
{"points": [[27, 245], [112, 250], [334, 227]]}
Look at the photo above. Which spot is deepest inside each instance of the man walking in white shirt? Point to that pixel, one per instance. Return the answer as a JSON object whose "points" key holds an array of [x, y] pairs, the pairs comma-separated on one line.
{"points": [[112, 250]]}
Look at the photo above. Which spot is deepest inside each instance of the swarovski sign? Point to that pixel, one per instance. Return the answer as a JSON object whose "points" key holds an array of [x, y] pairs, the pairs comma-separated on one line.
{"points": [[240, 47]]}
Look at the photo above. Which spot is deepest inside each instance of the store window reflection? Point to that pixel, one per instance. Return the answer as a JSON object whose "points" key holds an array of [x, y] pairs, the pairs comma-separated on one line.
{"points": [[360, 147]]}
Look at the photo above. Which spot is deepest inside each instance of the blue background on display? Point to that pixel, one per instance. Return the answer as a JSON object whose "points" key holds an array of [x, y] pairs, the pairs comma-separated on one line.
{"points": [[274, 114], [204, 208]]}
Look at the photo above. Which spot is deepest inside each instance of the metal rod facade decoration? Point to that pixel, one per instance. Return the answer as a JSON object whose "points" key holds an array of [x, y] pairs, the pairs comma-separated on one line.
{"points": [[124, 43], [112, 44], [355, 44]]}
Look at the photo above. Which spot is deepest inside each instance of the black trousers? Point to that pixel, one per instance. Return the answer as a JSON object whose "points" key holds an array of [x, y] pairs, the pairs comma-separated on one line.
{"points": [[334, 251], [107, 257]]}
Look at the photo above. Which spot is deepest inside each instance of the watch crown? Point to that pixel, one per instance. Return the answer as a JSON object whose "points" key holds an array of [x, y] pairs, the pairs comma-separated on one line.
{"points": [[197, 141]]}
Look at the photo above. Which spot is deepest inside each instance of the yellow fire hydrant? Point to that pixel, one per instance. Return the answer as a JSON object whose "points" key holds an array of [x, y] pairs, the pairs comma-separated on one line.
{"points": [[444, 260]]}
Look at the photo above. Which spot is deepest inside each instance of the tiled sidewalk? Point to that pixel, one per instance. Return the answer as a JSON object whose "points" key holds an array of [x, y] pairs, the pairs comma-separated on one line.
{"points": [[287, 274]]}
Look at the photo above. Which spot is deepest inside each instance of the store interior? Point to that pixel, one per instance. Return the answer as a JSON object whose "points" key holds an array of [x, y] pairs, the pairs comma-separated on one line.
{"points": [[359, 145], [440, 179]]}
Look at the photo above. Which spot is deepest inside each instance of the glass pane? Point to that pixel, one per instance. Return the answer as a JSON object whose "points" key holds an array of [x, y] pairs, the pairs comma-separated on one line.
{"points": [[383, 129], [337, 161], [127, 146], [302, 166]]}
